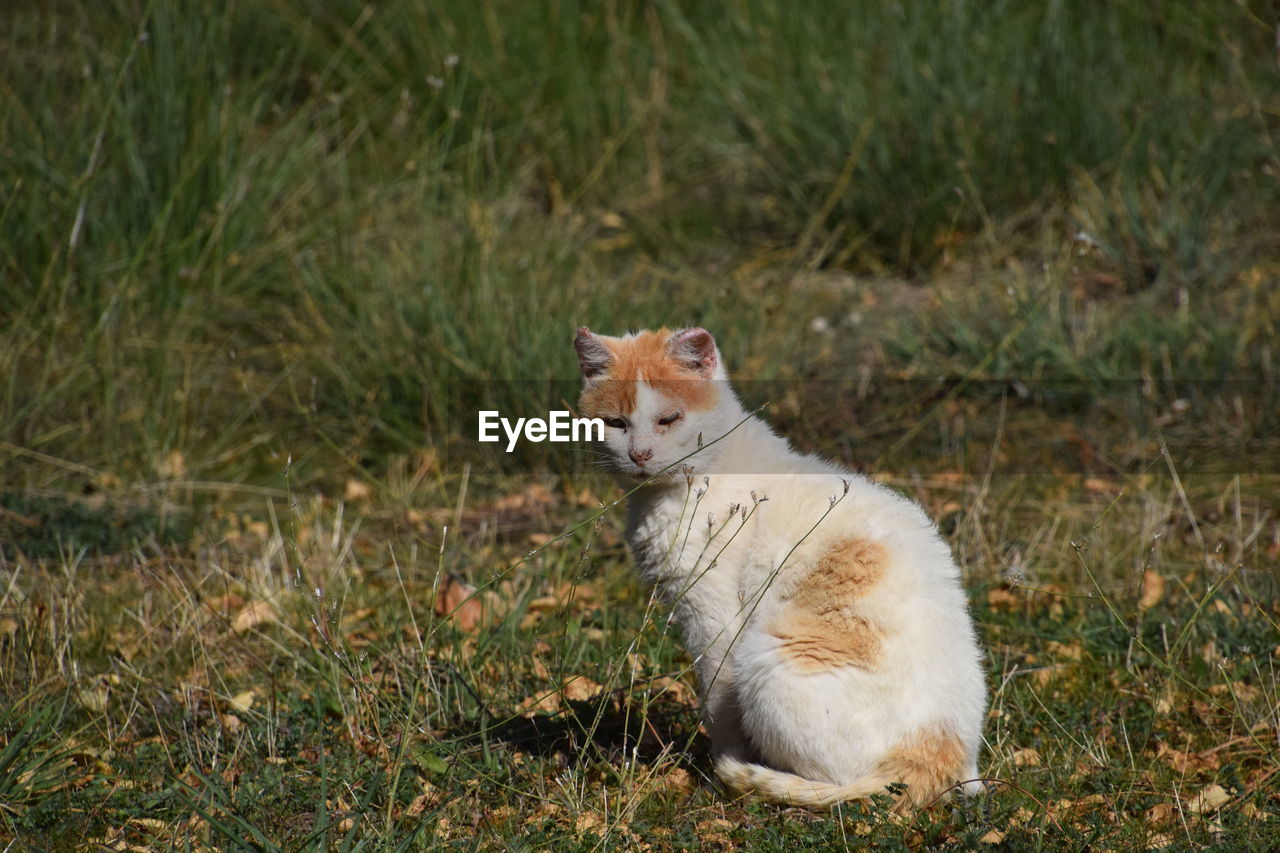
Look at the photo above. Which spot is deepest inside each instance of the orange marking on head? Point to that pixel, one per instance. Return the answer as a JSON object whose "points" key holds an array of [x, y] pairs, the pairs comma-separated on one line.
{"points": [[644, 358], [929, 761]]}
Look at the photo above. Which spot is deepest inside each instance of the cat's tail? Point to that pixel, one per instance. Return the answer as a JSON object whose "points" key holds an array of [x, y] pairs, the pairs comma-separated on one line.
{"points": [[782, 787]]}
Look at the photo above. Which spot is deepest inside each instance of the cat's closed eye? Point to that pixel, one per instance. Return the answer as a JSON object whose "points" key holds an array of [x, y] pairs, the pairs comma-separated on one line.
{"points": [[668, 420], [616, 423]]}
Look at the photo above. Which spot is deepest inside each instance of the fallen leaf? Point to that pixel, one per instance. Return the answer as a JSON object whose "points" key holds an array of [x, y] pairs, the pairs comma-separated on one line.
{"points": [[1001, 598], [93, 698], [1237, 689], [253, 614], [1209, 799], [581, 689], [1046, 674], [419, 803], [242, 702], [548, 703], [674, 689], [680, 779], [544, 603], [536, 495], [1026, 758], [587, 821], [715, 830], [1152, 590], [1065, 651], [993, 836], [173, 466], [459, 600], [357, 491], [1185, 762], [1097, 485]]}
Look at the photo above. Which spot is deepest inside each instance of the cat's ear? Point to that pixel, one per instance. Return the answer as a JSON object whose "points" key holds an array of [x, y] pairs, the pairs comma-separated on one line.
{"points": [[593, 356], [695, 350]]}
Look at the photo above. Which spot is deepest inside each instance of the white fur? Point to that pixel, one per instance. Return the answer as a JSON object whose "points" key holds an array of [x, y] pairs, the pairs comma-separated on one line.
{"points": [[768, 719]]}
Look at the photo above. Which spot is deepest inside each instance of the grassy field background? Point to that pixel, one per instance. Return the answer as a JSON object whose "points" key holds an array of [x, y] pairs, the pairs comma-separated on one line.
{"points": [[260, 262]]}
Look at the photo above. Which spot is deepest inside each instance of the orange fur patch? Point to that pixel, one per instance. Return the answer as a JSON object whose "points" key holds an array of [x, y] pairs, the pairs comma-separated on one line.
{"points": [[822, 628], [644, 358], [816, 643], [844, 572], [929, 761]]}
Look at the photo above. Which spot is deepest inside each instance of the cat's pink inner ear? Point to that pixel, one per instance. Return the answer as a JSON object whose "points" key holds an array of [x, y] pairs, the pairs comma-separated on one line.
{"points": [[695, 350], [593, 356]]}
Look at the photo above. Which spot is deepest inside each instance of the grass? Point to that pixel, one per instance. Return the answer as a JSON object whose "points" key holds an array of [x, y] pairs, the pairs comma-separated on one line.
{"points": [[262, 262]]}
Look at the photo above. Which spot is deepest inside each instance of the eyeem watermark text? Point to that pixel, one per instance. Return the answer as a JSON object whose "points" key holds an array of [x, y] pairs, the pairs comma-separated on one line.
{"points": [[558, 426]]}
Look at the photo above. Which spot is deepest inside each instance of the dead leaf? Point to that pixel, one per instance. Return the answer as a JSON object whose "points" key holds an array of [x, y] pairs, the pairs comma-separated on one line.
{"points": [[1252, 812], [587, 821], [253, 614], [581, 689], [715, 830], [1001, 598], [544, 603], [536, 495], [173, 466], [1097, 485], [419, 803], [1026, 758], [547, 703], [993, 836], [94, 697], [680, 779], [1065, 651], [1046, 674], [1209, 799], [242, 702], [1152, 590], [459, 600], [357, 491], [1237, 690], [674, 689]]}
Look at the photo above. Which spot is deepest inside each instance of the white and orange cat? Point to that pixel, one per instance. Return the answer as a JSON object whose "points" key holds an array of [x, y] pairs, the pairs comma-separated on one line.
{"points": [[833, 647]]}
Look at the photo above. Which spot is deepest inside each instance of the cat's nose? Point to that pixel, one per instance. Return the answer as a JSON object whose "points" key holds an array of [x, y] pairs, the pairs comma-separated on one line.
{"points": [[641, 456]]}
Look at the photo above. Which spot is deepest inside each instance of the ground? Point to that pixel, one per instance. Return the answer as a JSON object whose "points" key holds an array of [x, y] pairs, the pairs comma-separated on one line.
{"points": [[262, 263]]}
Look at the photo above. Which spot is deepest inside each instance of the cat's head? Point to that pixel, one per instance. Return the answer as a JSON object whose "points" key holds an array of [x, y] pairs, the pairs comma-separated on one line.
{"points": [[660, 393]]}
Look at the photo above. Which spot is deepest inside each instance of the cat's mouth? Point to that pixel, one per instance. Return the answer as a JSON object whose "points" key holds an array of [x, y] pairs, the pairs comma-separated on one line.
{"points": [[658, 475]]}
